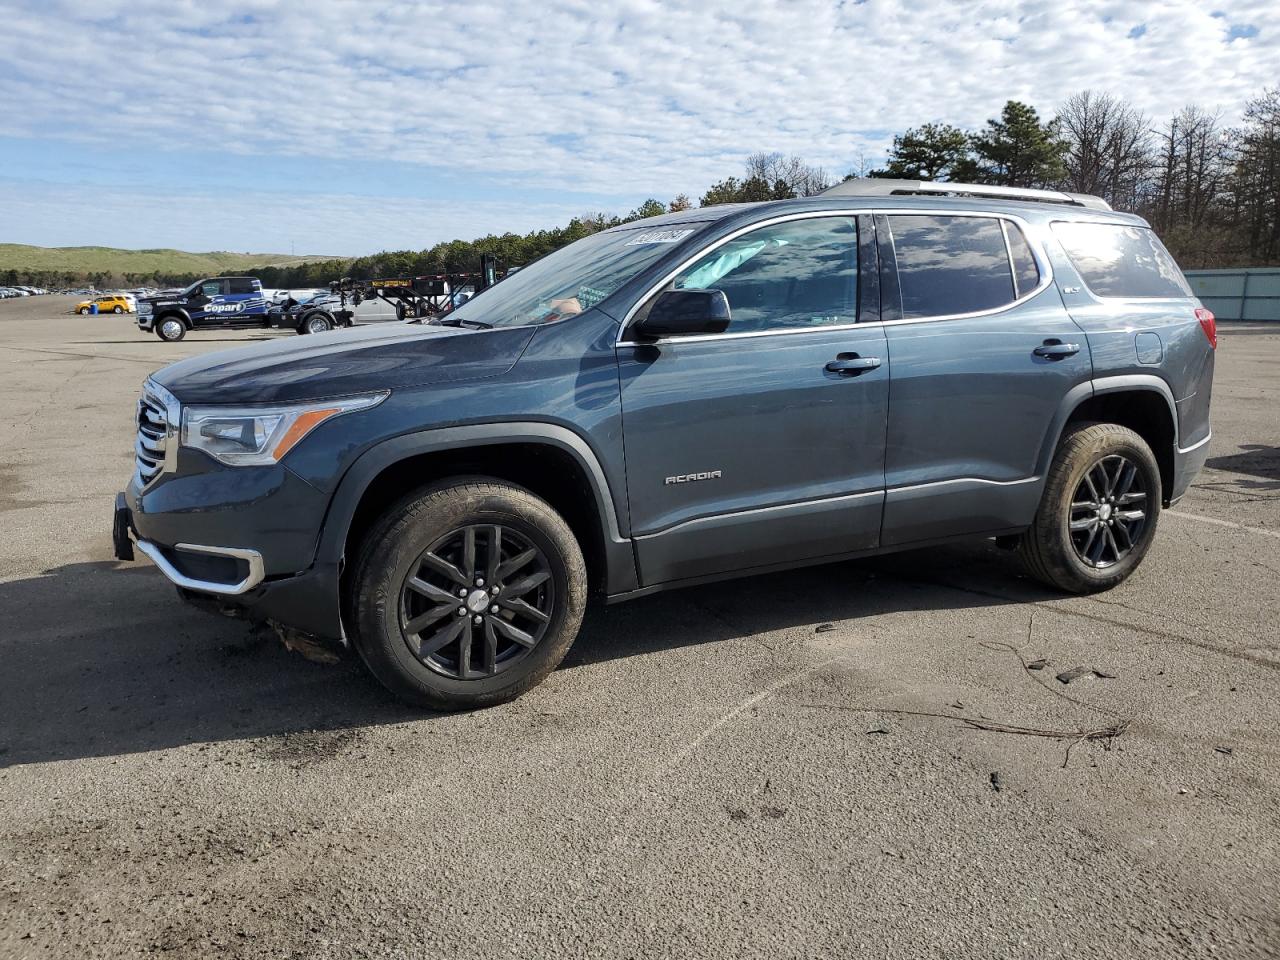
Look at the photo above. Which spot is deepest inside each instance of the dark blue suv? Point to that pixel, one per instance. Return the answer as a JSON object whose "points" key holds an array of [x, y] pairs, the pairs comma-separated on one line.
{"points": [[714, 393]]}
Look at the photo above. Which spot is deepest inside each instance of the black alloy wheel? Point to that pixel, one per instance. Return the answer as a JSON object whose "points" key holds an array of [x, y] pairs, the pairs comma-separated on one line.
{"points": [[1108, 511], [1098, 511], [477, 601]]}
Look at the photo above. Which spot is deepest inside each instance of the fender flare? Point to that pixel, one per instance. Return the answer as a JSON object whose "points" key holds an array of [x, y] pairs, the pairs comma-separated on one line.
{"points": [[179, 312], [619, 555], [1100, 387]]}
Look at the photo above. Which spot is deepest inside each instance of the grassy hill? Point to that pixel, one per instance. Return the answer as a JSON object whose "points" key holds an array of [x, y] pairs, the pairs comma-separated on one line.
{"points": [[96, 261]]}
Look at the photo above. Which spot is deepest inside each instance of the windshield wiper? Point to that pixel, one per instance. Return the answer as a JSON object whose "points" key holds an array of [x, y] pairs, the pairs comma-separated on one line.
{"points": [[460, 322]]}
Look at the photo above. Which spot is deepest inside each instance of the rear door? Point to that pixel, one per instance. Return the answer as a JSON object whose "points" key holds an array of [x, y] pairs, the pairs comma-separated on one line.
{"points": [[984, 354], [765, 444], [244, 295]]}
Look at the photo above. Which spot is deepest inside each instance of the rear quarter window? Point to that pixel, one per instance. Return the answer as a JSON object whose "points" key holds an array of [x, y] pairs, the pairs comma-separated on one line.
{"points": [[1118, 260]]}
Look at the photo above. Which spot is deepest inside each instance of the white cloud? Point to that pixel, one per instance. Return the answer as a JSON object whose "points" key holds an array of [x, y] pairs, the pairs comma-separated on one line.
{"points": [[632, 97]]}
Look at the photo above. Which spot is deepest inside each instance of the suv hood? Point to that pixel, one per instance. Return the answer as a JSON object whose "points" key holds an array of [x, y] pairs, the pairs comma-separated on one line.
{"points": [[345, 362]]}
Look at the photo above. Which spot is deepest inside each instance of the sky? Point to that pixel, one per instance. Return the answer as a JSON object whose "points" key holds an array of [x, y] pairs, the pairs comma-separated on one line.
{"points": [[350, 126]]}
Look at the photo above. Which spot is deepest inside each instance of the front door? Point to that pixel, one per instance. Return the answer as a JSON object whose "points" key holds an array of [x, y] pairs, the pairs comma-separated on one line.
{"points": [[202, 303], [765, 444]]}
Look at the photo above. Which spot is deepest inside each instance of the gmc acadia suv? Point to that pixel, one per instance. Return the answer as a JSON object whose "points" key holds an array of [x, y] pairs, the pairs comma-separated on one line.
{"points": [[712, 393]]}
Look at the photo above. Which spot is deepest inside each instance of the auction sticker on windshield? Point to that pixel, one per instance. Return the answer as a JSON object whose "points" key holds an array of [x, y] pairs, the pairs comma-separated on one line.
{"points": [[660, 236]]}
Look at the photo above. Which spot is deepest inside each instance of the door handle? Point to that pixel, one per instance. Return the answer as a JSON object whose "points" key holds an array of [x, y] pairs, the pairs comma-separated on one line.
{"points": [[850, 364], [1056, 350]]}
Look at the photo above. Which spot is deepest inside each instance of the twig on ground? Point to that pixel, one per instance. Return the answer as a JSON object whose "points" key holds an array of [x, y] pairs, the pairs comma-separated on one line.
{"points": [[997, 644], [993, 726]]}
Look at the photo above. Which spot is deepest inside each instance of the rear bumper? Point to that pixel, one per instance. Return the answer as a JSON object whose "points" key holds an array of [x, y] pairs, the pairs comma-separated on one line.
{"points": [[1187, 463]]}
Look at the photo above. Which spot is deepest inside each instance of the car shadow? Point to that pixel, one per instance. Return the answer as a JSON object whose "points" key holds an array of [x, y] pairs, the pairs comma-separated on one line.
{"points": [[1253, 460], [102, 659]]}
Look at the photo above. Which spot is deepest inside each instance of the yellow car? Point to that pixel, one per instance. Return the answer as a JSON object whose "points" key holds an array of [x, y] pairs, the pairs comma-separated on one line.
{"points": [[105, 305]]}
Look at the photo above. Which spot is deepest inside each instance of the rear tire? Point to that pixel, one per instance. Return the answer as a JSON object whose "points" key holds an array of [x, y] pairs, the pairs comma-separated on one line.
{"points": [[317, 323], [1098, 514], [117, 309], [490, 624]]}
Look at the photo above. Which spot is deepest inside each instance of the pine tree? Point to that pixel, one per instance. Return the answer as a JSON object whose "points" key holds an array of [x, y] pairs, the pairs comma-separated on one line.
{"points": [[935, 151], [1018, 150]]}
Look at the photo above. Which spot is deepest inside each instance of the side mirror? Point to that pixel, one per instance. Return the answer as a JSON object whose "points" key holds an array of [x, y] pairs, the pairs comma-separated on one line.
{"points": [[685, 313]]}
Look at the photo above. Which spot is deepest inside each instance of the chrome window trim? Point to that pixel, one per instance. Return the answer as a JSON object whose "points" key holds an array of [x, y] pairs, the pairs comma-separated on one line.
{"points": [[1033, 241]]}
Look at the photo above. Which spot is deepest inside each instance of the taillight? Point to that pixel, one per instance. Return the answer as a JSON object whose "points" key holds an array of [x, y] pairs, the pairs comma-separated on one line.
{"points": [[1209, 325]]}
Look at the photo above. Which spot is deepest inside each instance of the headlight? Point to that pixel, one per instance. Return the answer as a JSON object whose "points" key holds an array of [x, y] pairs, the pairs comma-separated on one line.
{"points": [[257, 436], [144, 308]]}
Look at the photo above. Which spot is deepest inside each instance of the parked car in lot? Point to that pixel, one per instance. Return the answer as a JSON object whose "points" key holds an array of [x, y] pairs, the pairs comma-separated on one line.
{"points": [[218, 302], [316, 312], [720, 392], [111, 303]]}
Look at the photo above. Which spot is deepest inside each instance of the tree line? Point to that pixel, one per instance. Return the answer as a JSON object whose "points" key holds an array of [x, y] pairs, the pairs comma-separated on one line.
{"points": [[1212, 191]]}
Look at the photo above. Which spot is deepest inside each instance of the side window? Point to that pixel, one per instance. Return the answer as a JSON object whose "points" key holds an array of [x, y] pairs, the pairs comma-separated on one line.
{"points": [[949, 265], [1116, 260], [211, 288], [241, 285], [802, 273], [1026, 275]]}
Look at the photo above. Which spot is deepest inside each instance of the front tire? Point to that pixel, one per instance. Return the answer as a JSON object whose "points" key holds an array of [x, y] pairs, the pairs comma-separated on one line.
{"points": [[117, 309], [83, 311], [171, 329], [467, 594], [1098, 513]]}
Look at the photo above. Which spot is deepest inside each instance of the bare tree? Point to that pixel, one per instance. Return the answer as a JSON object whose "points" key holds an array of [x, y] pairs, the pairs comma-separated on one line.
{"points": [[1189, 187], [1109, 148], [787, 176], [1255, 181]]}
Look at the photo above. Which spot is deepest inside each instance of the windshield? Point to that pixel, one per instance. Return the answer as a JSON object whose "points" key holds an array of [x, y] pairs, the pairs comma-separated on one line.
{"points": [[571, 280]]}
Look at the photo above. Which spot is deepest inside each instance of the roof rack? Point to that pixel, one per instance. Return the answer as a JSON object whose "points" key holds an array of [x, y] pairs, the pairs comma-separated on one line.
{"points": [[878, 187]]}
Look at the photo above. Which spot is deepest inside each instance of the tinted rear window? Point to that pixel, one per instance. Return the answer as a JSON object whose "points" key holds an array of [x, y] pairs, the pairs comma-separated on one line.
{"points": [[1116, 260], [242, 286], [949, 265]]}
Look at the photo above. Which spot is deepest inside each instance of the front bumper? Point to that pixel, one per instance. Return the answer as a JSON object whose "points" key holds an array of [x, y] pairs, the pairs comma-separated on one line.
{"points": [[251, 559], [146, 321], [244, 537]]}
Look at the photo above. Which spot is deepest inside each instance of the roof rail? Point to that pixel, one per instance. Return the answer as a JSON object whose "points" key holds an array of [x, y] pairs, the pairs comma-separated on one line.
{"points": [[878, 187]]}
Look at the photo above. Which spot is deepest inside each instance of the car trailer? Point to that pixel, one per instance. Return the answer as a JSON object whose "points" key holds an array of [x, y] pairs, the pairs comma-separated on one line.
{"points": [[424, 297]]}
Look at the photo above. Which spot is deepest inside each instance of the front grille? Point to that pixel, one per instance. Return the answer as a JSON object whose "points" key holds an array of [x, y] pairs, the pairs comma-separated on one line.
{"points": [[155, 424]]}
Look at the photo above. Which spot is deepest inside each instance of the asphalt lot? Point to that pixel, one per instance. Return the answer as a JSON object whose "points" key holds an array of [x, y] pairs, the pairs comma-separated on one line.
{"points": [[713, 773]]}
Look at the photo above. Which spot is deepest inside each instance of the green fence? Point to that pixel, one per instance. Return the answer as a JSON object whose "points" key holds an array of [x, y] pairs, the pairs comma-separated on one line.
{"points": [[1252, 294]]}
